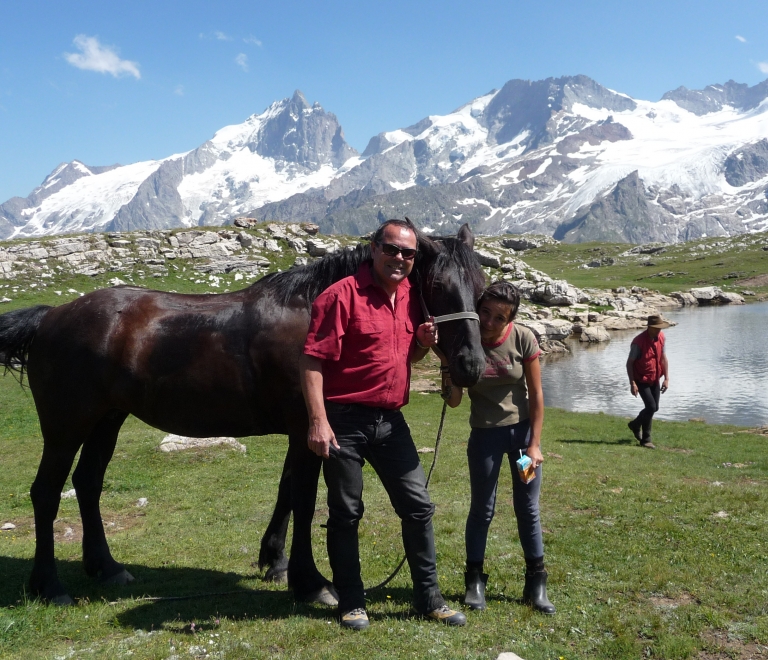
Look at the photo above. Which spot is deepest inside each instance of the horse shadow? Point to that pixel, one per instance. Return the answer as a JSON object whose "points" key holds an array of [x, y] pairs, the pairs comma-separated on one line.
{"points": [[194, 595]]}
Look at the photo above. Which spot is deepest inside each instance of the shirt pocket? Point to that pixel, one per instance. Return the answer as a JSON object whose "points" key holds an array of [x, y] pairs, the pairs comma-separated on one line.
{"points": [[365, 342]]}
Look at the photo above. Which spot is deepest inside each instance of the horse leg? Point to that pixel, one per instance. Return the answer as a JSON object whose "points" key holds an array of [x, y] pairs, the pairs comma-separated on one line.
{"points": [[88, 480], [46, 495], [272, 553], [303, 577]]}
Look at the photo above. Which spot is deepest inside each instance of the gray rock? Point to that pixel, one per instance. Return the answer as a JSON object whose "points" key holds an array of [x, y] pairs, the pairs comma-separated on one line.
{"points": [[487, 258], [594, 334], [747, 164], [174, 442], [684, 298]]}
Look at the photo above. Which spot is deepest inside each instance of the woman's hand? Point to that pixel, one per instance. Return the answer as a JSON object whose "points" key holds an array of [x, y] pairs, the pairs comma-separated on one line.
{"points": [[534, 453]]}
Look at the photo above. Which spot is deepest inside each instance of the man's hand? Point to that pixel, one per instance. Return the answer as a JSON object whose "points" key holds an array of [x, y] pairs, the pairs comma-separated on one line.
{"points": [[633, 388], [665, 385], [320, 438], [426, 334]]}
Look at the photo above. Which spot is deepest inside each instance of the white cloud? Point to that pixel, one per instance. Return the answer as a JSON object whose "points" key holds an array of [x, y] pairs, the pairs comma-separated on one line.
{"points": [[242, 61], [763, 66], [103, 59], [221, 36], [179, 90], [741, 39], [252, 40]]}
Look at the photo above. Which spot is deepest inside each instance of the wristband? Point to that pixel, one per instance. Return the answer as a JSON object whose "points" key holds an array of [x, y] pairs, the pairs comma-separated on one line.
{"points": [[418, 343]]}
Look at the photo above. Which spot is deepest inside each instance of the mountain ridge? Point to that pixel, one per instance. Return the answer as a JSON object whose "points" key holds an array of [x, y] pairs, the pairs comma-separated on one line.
{"points": [[561, 156]]}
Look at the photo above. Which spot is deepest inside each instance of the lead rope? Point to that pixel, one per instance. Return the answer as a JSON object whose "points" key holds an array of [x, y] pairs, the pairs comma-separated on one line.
{"points": [[429, 476]]}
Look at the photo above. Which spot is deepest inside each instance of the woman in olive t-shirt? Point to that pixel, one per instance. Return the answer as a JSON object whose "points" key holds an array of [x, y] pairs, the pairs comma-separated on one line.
{"points": [[506, 415]]}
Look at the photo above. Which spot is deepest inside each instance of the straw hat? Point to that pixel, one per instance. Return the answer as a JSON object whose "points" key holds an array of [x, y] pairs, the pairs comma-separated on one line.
{"points": [[655, 321]]}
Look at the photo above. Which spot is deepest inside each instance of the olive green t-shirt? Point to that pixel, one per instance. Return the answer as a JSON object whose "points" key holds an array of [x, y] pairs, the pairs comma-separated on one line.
{"points": [[500, 397]]}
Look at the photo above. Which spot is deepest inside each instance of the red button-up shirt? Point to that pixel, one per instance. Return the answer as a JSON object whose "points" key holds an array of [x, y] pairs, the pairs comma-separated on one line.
{"points": [[365, 343]]}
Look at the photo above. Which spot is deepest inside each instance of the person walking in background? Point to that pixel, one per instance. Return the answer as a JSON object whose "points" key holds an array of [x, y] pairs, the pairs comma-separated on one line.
{"points": [[506, 416], [646, 365], [355, 375]]}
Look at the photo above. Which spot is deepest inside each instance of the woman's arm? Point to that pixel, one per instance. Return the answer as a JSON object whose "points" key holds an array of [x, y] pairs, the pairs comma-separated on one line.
{"points": [[450, 393], [535, 409]]}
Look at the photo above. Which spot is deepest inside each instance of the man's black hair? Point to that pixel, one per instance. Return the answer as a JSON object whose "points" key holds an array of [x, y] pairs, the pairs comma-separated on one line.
{"points": [[378, 235]]}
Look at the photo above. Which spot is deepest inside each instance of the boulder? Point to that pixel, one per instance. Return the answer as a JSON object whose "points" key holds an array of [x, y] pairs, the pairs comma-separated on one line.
{"points": [[712, 295], [706, 294], [684, 298], [488, 259], [594, 333], [549, 328], [522, 243], [174, 442], [728, 297], [557, 293]]}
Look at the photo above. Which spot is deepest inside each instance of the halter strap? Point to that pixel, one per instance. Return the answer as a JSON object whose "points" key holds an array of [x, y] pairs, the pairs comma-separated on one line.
{"points": [[456, 316]]}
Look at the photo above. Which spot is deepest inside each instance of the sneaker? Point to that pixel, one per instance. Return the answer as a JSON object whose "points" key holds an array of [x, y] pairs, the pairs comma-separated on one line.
{"points": [[635, 428], [448, 616], [647, 444], [355, 619]]}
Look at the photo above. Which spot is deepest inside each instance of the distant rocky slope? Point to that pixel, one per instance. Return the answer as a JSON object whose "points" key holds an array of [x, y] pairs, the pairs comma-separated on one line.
{"points": [[225, 259], [563, 157]]}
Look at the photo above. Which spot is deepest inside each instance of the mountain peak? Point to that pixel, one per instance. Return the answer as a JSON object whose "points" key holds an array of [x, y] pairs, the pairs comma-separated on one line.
{"points": [[714, 98]]}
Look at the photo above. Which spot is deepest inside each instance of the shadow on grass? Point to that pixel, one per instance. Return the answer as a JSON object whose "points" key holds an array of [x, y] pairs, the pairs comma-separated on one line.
{"points": [[201, 595], [593, 441]]}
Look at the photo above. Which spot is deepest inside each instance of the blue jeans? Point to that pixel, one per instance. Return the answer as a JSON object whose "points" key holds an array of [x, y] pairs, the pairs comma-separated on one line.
{"points": [[383, 438], [485, 453]]}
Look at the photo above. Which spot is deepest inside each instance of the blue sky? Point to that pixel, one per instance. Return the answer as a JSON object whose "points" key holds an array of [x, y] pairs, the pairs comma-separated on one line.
{"points": [[119, 82]]}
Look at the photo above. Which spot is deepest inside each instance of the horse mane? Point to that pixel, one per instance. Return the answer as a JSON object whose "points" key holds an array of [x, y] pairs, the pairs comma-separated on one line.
{"points": [[309, 281]]}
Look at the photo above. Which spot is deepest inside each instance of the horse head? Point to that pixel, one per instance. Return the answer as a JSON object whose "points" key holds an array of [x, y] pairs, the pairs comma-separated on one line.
{"points": [[451, 280]]}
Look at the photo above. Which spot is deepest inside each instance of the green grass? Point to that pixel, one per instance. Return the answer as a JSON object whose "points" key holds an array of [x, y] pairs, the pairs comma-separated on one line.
{"points": [[726, 265], [640, 564]]}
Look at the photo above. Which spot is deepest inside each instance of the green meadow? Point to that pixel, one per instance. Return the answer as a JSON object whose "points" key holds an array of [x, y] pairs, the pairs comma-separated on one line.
{"points": [[650, 554], [734, 264]]}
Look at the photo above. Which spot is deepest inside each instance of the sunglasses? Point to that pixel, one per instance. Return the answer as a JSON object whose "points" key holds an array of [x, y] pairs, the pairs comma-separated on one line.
{"points": [[392, 250]]}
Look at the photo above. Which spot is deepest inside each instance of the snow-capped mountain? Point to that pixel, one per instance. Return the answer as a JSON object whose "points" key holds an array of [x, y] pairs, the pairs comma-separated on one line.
{"points": [[565, 157], [289, 148]]}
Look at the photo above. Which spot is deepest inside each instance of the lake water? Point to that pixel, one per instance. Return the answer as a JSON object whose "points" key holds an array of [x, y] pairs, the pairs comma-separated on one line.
{"points": [[718, 368]]}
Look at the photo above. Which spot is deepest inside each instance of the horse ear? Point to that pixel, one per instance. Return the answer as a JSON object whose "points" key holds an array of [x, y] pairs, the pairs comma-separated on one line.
{"points": [[465, 236], [427, 246]]}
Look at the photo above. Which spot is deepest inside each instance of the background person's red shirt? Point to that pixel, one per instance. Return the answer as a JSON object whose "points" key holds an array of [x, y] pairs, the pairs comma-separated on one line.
{"points": [[364, 343]]}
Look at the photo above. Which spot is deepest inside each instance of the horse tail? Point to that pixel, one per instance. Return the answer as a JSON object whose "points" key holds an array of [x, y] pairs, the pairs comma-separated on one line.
{"points": [[17, 331]]}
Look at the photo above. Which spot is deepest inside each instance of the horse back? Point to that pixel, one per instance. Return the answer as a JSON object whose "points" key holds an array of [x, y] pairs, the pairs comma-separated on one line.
{"points": [[199, 365]]}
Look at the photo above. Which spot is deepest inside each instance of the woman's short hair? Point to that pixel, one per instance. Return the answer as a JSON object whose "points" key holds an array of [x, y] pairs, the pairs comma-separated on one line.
{"points": [[503, 292]]}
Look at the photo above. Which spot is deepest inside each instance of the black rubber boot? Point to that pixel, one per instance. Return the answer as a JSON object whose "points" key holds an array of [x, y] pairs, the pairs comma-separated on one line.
{"points": [[535, 590], [475, 581]]}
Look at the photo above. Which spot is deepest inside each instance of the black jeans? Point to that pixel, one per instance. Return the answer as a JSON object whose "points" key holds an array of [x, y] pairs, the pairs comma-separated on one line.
{"points": [[650, 393], [383, 438], [485, 453]]}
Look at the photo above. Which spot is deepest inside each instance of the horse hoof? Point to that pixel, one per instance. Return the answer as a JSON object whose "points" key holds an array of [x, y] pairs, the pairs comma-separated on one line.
{"points": [[325, 595], [276, 575], [63, 600], [120, 579]]}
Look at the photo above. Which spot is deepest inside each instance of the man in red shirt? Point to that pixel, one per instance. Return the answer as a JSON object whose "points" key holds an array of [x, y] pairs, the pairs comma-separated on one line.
{"points": [[646, 365], [355, 373]]}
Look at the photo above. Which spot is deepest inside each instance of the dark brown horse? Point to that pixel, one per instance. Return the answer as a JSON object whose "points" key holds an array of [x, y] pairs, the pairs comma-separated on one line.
{"points": [[200, 365]]}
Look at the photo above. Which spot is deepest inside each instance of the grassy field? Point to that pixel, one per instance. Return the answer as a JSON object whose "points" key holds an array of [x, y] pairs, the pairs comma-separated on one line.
{"points": [[734, 264], [651, 554]]}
